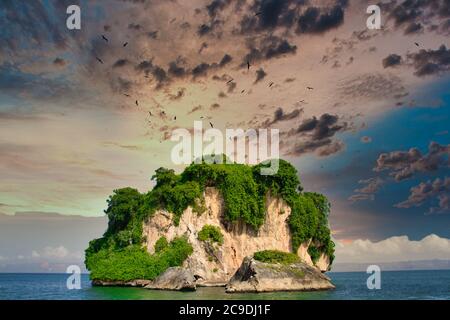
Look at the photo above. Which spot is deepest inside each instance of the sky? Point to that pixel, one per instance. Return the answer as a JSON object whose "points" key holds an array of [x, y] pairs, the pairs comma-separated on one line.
{"points": [[363, 114]]}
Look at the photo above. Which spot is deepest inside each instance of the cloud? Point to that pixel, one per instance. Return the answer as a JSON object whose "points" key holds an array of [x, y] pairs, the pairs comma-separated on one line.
{"points": [[292, 15], [404, 164], [372, 185], [430, 62], [260, 75], [59, 252], [281, 115], [269, 47], [370, 86], [393, 249], [316, 135], [315, 20], [392, 60], [427, 191]]}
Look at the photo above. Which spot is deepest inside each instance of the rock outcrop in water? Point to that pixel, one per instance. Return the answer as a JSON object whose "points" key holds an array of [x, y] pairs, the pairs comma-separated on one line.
{"points": [[197, 228], [256, 276]]}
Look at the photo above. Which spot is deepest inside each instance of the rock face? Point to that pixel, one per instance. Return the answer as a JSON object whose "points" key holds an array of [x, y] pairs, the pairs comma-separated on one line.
{"points": [[115, 283], [214, 264], [174, 279], [256, 276]]}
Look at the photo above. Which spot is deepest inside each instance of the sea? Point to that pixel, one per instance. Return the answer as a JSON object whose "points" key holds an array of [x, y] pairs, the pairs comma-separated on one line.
{"points": [[395, 285]]}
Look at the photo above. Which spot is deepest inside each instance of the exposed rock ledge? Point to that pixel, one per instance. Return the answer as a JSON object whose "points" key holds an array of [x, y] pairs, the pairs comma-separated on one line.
{"points": [[174, 279], [256, 276], [115, 283]]}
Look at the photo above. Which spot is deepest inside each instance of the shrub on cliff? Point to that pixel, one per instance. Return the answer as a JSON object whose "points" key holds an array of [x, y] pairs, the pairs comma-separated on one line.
{"points": [[211, 233], [276, 256]]}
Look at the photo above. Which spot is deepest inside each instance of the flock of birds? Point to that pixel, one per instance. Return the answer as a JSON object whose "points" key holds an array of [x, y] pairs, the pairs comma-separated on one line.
{"points": [[249, 65]]}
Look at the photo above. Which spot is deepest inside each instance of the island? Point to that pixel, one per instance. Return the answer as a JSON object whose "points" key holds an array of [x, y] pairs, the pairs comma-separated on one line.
{"points": [[216, 224]]}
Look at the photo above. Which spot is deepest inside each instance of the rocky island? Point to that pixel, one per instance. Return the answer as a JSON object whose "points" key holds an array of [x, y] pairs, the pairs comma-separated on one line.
{"points": [[216, 225]]}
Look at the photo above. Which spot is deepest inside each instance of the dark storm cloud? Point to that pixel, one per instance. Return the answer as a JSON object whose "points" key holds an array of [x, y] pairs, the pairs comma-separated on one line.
{"points": [[269, 47], [317, 135], [404, 164], [207, 28], [225, 60], [313, 20], [175, 70], [215, 6], [414, 28], [430, 62], [292, 15], [324, 127], [120, 63], [260, 75], [412, 15], [392, 60], [281, 115], [59, 62], [438, 189], [202, 69]]}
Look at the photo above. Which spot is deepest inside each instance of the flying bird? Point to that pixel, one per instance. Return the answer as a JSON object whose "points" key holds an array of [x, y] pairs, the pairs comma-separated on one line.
{"points": [[137, 103], [105, 38], [310, 88], [175, 118], [417, 45], [125, 44], [230, 81], [212, 126], [126, 95], [248, 65], [258, 13], [99, 60], [150, 113], [242, 91], [270, 84]]}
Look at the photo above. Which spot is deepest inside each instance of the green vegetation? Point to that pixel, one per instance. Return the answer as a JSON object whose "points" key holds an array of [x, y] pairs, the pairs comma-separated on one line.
{"points": [[161, 244], [211, 233], [314, 253], [244, 191], [275, 256], [134, 262]]}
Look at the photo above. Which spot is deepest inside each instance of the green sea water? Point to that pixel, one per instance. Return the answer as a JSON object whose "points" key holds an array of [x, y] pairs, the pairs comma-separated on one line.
{"points": [[403, 285]]}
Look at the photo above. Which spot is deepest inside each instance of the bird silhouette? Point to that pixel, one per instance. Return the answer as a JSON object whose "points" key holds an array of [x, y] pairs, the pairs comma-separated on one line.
{"points": [[125, 44], [105, 38], [99, 60], [310, 88], [248, 65], [137, 103], [175, 118], [126, 95], [258, 13], [210, 123], [242, 91], [417, 45], [150, 113], [229, 81], [270, 84]]}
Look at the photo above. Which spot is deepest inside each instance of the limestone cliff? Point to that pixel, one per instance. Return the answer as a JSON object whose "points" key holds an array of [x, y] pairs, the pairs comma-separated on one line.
{"points": [[215, 264]]}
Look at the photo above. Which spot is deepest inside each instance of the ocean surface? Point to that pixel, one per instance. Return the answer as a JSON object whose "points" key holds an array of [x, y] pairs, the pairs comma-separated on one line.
{"points": [[397, 285]]}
